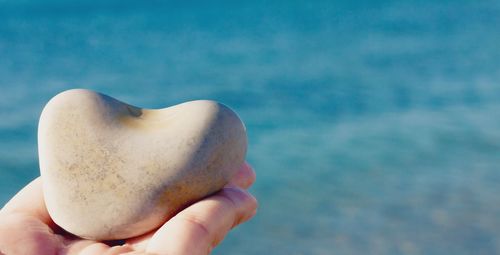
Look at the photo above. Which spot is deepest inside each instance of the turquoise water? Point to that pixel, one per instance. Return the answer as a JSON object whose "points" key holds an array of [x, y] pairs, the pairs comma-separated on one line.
{"points": [[374, 126]]}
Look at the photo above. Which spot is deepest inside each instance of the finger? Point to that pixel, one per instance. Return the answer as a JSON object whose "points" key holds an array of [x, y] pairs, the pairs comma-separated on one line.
{"points": [[244, 178], [201, 226], [30, 201], [141, 242]]}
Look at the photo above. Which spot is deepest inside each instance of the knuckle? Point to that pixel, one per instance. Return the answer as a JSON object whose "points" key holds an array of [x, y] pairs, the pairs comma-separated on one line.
{"points": [[199, 225]]}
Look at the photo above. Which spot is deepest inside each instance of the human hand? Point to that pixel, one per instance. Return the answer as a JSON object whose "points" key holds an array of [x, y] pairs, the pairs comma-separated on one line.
{"points": [[26, 226]]}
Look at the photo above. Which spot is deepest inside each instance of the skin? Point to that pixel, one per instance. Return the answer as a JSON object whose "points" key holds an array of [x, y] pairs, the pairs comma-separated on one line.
{"points": [[26, 226]]}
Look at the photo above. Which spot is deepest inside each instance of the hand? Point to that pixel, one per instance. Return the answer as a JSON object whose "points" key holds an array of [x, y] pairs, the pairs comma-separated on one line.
{"points": [[26, 227]]}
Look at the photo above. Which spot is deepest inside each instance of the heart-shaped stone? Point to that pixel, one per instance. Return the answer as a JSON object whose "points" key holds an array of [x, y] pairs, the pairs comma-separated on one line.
{"points": [[113, 171]]}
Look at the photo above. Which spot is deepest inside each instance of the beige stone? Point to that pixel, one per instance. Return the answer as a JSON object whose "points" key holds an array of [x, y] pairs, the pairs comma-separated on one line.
{"points": [[113, 171]]}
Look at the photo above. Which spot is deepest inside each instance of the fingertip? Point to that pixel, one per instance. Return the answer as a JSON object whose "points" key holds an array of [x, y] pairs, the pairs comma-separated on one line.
{"points": [[250, 171], [244, 202], [237, 193], [244, 177]]}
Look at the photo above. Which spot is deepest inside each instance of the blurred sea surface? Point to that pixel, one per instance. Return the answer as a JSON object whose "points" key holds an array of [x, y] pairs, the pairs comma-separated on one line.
{"points": [[374, 126]]}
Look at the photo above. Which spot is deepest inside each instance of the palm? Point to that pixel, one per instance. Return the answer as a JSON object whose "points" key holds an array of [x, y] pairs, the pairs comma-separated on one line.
{"points": [[26, 227], [30, 235]]}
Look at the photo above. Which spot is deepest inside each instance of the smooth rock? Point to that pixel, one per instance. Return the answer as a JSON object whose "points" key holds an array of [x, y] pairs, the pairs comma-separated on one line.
{"points": [[113, 171]]}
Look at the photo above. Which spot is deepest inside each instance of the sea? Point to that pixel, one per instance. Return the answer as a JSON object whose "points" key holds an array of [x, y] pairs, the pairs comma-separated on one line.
{"points": [[374, 126]]}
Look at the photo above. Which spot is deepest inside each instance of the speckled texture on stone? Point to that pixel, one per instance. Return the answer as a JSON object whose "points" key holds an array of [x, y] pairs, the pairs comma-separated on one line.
{"points": [[113, 171]]}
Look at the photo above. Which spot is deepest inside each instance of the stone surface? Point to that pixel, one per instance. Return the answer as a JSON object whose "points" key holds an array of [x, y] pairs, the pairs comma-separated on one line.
{"points": [[112, 171]]}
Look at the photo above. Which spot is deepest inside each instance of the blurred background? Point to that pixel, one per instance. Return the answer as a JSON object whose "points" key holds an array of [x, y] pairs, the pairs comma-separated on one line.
{"points": [[374, 126]]}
